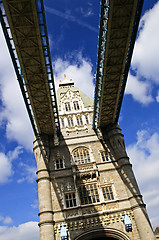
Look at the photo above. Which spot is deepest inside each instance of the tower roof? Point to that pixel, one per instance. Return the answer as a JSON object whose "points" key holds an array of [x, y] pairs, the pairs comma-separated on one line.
{"points": [[66, 82], [67, 85]]}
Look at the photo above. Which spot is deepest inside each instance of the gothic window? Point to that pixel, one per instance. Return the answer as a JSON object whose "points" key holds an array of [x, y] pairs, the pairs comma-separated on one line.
{"points": [[67, 106], [79, 120], [108, 193], [87, 121], [70, 199], [105, 156], [70, 122], [59, 164], [76, 105], [88, 194], [81, 155]]}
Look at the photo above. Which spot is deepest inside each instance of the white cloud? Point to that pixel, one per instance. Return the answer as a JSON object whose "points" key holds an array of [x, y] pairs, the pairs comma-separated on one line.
{"points": [[140, 90], [35, 204], [15, 153], [144, 154], [146, 52], [67, 15], [145, 60], [85, 12], [80, 71], [13, 114], [6, 220], [28, 173], [26, 231], [157, 97], [6, 170]]}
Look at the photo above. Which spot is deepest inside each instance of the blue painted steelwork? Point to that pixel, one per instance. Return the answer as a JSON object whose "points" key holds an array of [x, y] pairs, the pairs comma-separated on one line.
{"points": [[14, 57], [104, 14], [129, 56], [48, 63]]}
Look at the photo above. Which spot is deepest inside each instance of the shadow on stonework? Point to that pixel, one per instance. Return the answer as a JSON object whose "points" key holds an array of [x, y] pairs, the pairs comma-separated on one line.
{"points": [[111, 137], [67, 182], [83, 221]]}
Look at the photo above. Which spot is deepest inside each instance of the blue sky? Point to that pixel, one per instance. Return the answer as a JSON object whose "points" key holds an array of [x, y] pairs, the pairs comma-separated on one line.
{"points": [[73, 34]]}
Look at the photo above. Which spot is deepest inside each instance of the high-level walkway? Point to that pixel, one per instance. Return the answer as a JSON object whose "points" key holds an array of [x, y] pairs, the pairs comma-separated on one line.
{"points": [[118, 27], [25, 23]]}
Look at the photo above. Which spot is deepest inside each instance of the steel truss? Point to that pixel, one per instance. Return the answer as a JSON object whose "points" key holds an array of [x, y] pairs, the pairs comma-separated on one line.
{"points": [[24, 27], [117, 33]]}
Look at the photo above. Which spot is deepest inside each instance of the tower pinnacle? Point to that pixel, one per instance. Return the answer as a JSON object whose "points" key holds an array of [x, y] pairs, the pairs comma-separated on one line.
{"points": [[66, 82]]}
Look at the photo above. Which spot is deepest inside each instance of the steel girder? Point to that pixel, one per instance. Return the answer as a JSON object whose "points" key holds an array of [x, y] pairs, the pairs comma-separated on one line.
{"points": [[119, 21], [27, 26]]}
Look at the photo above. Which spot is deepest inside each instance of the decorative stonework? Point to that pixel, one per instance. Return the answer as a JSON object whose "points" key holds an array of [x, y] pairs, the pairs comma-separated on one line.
{"points": [[93, 222], [111, 206]]}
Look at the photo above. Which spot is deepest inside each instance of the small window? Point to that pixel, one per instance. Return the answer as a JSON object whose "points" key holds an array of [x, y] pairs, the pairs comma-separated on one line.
{"points": [[87, 121], [106, 156], [70, 199], [76, 105], [59, 164], [62, 122], [70, 122], [67, 106], [108, 193], [81, 155], [88, 194], [79, 121]]}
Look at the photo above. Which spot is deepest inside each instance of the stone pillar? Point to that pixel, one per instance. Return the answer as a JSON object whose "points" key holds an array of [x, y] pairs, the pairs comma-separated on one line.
{"points": [[113, 137], [46, 222]]}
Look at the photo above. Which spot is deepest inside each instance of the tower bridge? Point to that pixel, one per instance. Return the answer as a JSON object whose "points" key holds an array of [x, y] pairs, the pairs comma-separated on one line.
{"points": [[86, 186]]}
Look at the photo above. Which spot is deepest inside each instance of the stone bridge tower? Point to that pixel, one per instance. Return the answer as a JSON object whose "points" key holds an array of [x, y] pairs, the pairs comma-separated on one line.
{"points": [[86, 186]]}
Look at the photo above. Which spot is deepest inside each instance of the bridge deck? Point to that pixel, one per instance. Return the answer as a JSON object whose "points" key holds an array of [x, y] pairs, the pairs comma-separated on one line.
{"points": [[118, 21], [33, 54]]}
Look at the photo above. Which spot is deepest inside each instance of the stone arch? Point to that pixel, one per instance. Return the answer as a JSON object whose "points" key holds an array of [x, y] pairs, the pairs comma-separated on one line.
{"points": [[103, 234]]}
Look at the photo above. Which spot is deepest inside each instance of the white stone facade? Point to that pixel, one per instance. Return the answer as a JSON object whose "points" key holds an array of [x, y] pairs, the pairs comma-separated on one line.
{"points": [[86, 183]]}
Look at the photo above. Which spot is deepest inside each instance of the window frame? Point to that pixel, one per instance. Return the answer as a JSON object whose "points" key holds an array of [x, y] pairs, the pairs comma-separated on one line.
{"points": [[81, 155], [62, 123], [87, 119], [70, 201], [88, 194], [108, 193], [76, 105], [79, 120], [70, 122], [105, 156], [67, 106], [60, 162]]}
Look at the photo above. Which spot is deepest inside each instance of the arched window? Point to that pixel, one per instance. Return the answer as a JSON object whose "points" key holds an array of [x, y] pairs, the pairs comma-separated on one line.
{"points": [[59, 164], [81, 155]]}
